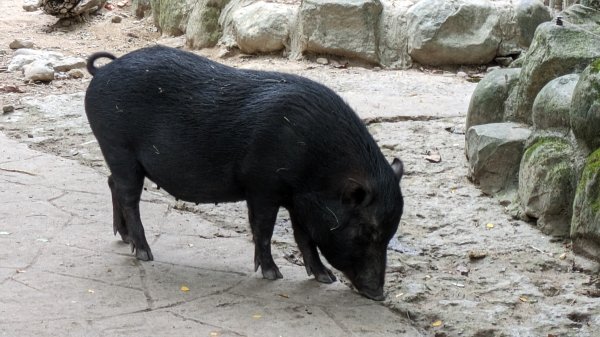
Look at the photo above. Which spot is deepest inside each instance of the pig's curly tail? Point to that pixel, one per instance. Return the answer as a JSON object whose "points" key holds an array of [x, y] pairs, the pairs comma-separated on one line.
{"points": [[90, 62]]}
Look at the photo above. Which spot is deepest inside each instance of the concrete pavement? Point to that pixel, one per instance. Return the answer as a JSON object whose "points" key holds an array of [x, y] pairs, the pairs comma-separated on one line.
{"points": [[63, 273]]}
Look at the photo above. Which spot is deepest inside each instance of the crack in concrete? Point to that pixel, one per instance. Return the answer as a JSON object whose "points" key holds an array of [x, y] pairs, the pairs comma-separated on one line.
{"points": [[203, 269], [21, 270], [25, 284], [396, 119], [21, 159], [222, 329], [145, 288], [337, 322], [91, 279], [14, 182]]}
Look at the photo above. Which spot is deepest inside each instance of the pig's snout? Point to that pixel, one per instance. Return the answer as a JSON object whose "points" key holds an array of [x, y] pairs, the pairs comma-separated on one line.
{"points": [[370, 286]]}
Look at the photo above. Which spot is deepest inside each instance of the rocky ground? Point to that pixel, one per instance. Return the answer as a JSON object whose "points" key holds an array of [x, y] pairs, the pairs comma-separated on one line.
{"points": [[460, 266]]}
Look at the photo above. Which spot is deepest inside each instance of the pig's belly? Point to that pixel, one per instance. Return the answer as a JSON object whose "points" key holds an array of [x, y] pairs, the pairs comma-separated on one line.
{"points": [[197, 178]]}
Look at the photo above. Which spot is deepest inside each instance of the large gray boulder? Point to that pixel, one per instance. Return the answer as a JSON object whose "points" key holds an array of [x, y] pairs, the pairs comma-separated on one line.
{"points": [[585, 224], [585, 107], [547, 184], [203, 28], [339, 27], [141, 8], [393, 36], [517, 23], [529, 14], [488, 102], [263, 27], [555, 51], [552, 105], [171, 16], [494, 152], [442, 32]]}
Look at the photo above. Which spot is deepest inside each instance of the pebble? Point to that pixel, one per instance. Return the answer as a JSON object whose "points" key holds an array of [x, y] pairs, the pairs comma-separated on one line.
{"points": [[461, 74], [8, 109], [490, 69], [20, 43], [31, 5], [39, 70], [322, 60], [116, 19], [75, 73]]}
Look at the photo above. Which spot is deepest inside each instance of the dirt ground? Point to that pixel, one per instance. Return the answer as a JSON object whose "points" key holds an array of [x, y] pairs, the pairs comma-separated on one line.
{"points": [[460, 265]]}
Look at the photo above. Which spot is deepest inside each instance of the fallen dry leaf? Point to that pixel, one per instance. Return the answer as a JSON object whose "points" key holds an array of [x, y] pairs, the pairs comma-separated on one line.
{"points": [[436, 323], [184, 288], [257, 316], [489, 226], [523, 299], [433, 156]]}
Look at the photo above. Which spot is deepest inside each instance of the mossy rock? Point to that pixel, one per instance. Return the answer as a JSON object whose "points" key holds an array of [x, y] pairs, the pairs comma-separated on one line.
{"points": [[552, 105], [203, 29], [488, 102], [170, 16], [585, 107], [555, 51], [585, 225], [494, 152], [547, 184]]}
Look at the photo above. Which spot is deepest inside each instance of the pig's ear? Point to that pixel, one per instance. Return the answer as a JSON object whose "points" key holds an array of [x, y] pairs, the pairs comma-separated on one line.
{"points": [[356, 193], [398, 168]]}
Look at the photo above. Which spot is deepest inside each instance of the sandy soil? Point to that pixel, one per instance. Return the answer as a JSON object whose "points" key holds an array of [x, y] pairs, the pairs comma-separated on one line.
{"points": [[460, 266]]}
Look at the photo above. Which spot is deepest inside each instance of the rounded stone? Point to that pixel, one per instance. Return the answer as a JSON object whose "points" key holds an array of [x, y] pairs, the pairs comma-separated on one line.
{"points": [[547, 184], [585, 107], [490, 96], [20, 43], [551, 106], [585, 224]]}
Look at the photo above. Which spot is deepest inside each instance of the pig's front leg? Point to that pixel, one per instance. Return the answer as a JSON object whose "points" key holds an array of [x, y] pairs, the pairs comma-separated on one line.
{"points": [[307, 247], [262, 214]]}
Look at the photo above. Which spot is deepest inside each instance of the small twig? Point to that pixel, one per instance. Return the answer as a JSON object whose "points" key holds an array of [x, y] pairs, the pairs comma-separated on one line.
{"points": [[539, 250], [18, 171]]}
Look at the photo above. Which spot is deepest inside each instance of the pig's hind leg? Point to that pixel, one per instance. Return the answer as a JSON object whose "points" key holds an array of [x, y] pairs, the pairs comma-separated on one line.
{"points": [[118, 218], [307, 247], [262, 215], [126, 184]]}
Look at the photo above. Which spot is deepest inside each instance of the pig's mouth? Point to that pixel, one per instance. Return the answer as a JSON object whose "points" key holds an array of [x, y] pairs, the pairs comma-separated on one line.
{"points": [[375, 294]]}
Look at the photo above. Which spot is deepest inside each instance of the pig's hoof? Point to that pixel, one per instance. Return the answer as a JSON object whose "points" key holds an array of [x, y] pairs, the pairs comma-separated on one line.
{"points": [[142, 254], [325, 277], [272, 274]]}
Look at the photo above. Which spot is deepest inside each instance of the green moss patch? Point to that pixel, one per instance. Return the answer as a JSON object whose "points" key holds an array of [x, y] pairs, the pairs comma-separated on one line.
{"points": [[590, 171], [547, 144]]}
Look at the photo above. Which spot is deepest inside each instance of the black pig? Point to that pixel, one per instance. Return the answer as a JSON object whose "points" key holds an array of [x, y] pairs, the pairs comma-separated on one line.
{"points": [[206, 132]]}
